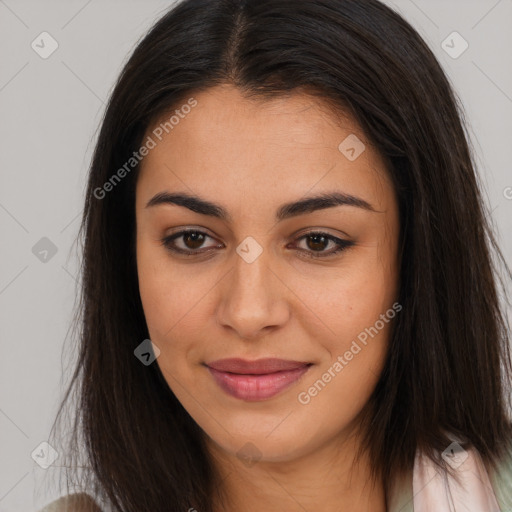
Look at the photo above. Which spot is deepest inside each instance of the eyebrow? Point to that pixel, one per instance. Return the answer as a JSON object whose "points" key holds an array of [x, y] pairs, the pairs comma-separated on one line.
{"points": [[285, 211]]}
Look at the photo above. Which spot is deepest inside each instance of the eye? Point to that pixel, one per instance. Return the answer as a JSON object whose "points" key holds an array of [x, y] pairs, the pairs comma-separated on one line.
{"points": [[316, 241], [191, 238]]}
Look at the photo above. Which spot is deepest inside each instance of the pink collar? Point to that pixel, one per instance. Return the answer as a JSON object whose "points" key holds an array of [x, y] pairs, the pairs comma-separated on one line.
{"points": [[438, 491]]}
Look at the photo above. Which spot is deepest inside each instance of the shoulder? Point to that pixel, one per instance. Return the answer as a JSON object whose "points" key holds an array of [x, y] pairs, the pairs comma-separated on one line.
{"points": [[502, 480], [80, 502]]}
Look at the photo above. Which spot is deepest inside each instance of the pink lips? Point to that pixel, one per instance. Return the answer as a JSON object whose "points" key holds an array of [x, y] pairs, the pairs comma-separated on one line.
{"points": [[256, 380]]}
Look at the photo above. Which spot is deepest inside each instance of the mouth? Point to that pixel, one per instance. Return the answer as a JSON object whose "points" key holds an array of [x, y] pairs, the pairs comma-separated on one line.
{"points": [[256, 380]]}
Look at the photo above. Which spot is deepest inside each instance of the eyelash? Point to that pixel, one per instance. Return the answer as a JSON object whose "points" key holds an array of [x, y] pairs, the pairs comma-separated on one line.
{"points": [[167, 242]]}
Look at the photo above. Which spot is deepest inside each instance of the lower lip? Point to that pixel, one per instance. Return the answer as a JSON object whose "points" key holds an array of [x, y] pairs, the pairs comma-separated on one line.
{"points": [[256, 387]]}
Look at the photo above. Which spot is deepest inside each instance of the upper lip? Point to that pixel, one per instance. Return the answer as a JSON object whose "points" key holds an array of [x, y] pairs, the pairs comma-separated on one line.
{"points": [[260, 366]]}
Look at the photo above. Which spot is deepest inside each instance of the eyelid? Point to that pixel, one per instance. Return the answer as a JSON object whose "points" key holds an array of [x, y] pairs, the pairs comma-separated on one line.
{"points": [[340, 243], [319, 229], [299, 233]]}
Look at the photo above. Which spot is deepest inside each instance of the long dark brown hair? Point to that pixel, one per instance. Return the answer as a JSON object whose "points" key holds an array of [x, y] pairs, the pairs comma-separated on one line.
{"points": [[448, 367]]}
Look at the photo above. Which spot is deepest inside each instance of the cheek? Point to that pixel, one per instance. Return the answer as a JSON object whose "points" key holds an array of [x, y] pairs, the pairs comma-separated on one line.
{"points": [[173, 300], [333, 403], [345, 380], [357, 309], [160, 291], [351, 301]]}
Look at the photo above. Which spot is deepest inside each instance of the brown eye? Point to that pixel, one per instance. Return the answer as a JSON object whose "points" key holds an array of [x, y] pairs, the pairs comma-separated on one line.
{"points": [[191, 242], [317, 242], [193, 239]]}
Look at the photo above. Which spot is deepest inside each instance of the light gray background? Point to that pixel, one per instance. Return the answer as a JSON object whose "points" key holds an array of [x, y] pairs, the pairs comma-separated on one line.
{"points": [[50, 111]]}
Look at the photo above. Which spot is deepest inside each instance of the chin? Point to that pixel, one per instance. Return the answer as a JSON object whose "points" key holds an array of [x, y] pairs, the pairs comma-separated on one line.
{"points": [[251, 445]]}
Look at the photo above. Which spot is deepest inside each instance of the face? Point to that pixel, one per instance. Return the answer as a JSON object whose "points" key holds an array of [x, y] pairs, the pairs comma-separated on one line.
{"points": [[258, 277]]}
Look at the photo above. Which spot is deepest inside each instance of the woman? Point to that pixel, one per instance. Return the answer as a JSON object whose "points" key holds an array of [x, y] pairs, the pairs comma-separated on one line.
{"points": [[289, 301]]}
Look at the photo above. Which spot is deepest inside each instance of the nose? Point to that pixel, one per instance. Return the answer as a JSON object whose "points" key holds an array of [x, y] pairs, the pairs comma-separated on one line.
{"points": [[253, 299]]}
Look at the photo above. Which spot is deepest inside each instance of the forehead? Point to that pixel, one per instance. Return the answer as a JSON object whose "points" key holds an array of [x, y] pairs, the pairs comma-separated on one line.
{"points": [[253, 146]]}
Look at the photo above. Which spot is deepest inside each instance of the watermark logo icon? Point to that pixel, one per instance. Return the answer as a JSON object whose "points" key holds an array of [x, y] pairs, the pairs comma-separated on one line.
{"points": [[352, 147], [249, 454], [44, 455], [44, 45], [454, 45], [249, 250], [455, 455], [44, 250], [147, 352]]}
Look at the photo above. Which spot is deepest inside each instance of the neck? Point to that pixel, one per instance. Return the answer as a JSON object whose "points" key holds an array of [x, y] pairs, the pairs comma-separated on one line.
{"points": [[325, 479]]}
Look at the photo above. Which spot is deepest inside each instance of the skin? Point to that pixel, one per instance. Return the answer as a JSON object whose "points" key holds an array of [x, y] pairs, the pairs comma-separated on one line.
{"points": [[251, 156]]}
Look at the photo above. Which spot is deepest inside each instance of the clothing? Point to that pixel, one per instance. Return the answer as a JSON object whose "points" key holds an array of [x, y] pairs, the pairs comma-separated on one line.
{"points": [[426, 490], [429, 490], [79, 502]]}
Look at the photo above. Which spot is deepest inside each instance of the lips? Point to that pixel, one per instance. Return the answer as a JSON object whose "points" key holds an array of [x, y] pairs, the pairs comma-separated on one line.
{"points": [[259, 367], [256, 380]]}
